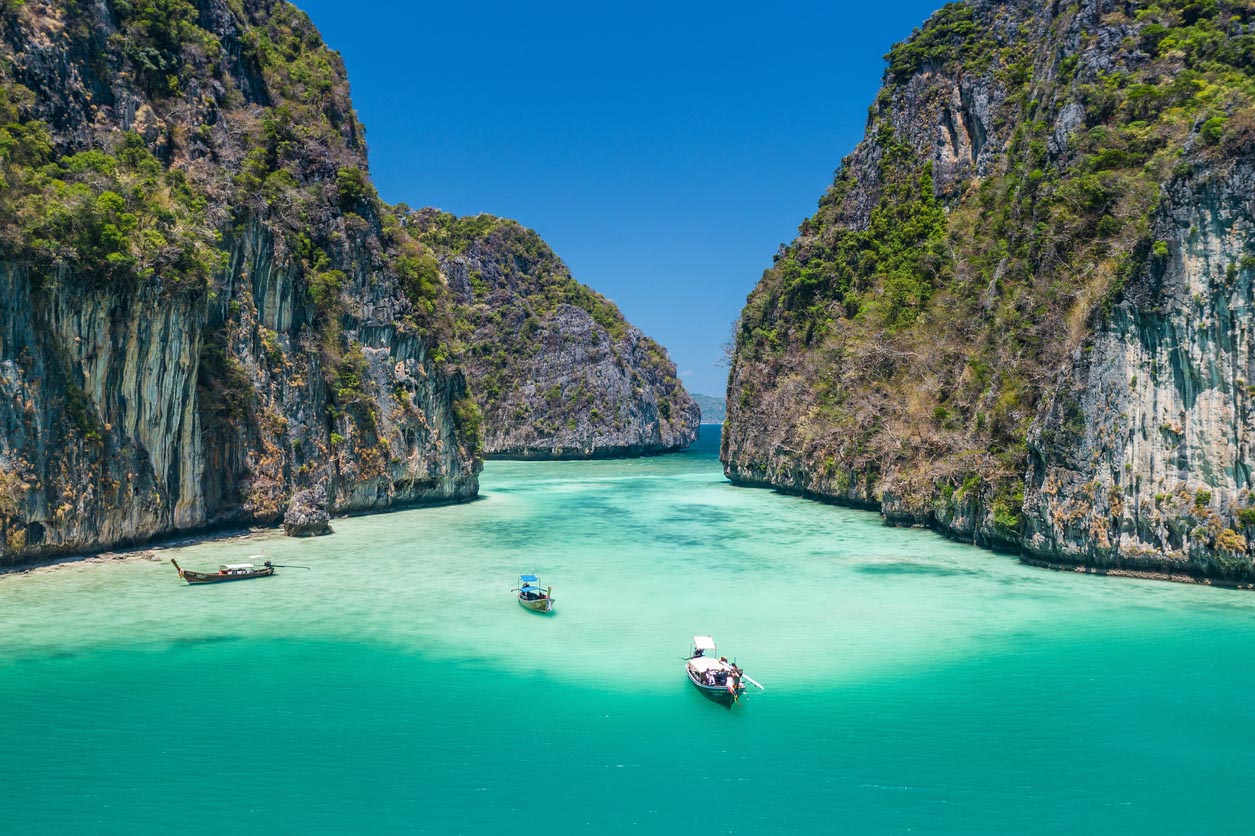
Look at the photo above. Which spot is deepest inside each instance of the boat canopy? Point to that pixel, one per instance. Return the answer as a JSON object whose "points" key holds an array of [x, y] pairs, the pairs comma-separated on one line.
{"points": [[703, 643], [232, 566], [529, 578]]}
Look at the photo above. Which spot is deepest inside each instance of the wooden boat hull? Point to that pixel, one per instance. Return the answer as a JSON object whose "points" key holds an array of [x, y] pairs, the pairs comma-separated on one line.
{"points": [[215, 577], [538, 605], [203, 577]]}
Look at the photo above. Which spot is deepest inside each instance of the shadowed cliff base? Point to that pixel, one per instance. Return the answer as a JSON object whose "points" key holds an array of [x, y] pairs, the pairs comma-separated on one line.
{"points": [[224, 529], [1149, 574], [805, 494], [1140, 569], [145, 549]]}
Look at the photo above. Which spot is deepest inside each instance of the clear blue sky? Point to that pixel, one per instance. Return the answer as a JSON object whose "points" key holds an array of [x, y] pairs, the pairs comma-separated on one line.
{"points": [[664, 150]]}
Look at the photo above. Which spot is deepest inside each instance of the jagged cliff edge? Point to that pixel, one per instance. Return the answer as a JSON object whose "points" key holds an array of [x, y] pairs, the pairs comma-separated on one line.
{"points": [[1022, 314], [203, 304], [555, 369]]}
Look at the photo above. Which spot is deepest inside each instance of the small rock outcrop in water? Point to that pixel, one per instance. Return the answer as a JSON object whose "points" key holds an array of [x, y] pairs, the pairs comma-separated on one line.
{"points": [[307, 514], [204, 306], [553, 366], [1022, 313]]}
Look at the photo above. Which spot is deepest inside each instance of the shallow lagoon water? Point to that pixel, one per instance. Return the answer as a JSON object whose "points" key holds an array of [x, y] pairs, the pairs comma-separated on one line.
{"points": [[914, 685]]}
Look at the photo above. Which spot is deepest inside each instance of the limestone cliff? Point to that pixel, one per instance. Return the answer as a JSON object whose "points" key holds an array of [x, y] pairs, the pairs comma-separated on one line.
{"points": [[1143, 459], [555, 369], [204, 306], [1021, 313]]}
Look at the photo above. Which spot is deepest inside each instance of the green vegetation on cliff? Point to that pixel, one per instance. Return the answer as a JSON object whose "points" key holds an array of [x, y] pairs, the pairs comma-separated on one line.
{"points": [[886, 271], [156, 34], [951, 37], [545, 282], [553, 365], [116, 217], [534, 281], [912, 328], [209, 288]]}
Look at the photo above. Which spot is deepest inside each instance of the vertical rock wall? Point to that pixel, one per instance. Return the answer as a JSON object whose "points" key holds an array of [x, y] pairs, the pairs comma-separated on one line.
{"points": [[1143, 460], [554, 367], [138, 408], [1021, 314]]}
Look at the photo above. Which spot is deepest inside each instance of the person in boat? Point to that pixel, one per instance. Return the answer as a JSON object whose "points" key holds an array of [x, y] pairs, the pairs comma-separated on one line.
{"points": [[698, 653]]}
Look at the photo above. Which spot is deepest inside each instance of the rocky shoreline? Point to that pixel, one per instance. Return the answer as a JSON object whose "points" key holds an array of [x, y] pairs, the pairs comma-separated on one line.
{"points": [[1138, 574], [1150, 572], [207, 534]]}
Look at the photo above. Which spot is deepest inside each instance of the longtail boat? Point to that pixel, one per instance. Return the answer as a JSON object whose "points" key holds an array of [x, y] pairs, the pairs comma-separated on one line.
{"points": [[716, 677], [226, 572], [532, 596]]}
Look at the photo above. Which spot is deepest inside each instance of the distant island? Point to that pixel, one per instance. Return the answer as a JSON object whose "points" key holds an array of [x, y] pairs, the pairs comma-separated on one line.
{"points": [[714, 409], [552, 365]]}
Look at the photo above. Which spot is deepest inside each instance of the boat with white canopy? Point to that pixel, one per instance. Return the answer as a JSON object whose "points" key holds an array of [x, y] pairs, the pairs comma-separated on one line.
{"points": [[713, 675], [226, 572]]}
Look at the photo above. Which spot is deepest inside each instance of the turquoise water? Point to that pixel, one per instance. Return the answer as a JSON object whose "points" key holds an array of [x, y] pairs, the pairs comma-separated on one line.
{"points": [[914, 685]]}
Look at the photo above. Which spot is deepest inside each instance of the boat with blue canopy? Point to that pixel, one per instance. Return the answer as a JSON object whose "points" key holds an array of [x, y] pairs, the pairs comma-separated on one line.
{"points": [[533, 596]]}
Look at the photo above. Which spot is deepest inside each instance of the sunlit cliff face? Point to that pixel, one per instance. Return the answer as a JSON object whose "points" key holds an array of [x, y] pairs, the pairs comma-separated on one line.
{"points": [[1019, 313]]}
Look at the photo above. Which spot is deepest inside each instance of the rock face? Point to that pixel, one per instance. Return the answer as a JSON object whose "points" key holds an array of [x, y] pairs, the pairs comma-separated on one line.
{"points": [[204, 307], [1144, 461], [307, 514], [1022, 312], [553, 366]]}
